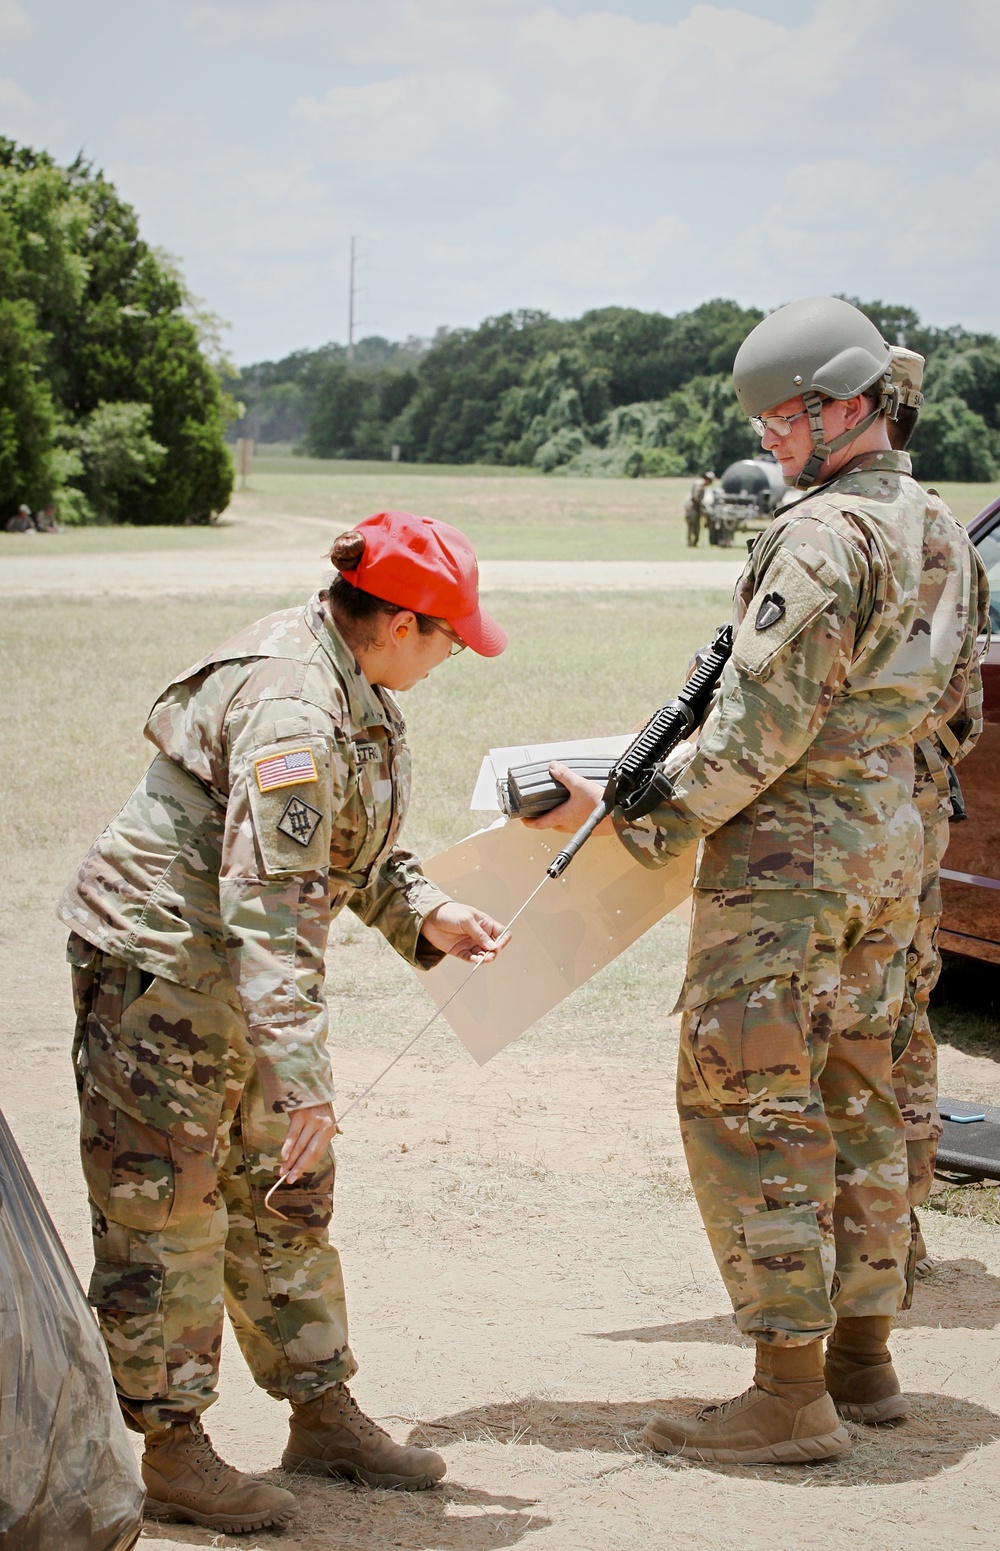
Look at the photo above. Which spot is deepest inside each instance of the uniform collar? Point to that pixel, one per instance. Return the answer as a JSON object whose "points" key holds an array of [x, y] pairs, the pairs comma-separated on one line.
{"points": [[878, 462], [367, 706]]}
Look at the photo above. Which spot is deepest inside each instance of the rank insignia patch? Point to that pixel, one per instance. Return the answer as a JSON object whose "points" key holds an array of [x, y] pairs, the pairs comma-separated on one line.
{"points": [[291, 769], [299, 821]]}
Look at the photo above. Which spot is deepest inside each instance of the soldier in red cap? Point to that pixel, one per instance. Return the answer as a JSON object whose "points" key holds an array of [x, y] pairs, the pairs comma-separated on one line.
{"points": [[199, 923]]}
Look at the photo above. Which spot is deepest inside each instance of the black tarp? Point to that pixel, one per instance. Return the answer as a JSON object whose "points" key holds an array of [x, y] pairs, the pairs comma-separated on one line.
{"points": [[970, 1146], [69, 1480]]}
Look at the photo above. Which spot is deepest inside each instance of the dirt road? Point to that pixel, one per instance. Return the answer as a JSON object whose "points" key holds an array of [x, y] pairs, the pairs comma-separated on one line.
{"points": [[159, 573]]}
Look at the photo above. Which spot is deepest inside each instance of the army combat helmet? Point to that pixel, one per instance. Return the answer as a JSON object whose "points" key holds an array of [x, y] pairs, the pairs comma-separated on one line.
{"points": [[819, 348]]}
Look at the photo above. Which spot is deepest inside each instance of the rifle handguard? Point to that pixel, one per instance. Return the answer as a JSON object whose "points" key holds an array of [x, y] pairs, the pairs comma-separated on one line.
{"points": [[637, 782]]}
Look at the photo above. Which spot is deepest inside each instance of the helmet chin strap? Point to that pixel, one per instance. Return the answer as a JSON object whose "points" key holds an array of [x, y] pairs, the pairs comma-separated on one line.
{"points": [[821, 447]]}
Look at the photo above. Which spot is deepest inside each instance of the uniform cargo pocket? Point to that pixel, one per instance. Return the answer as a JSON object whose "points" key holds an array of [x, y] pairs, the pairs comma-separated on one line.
{"points": [[128, 1166], [786, 1250], [129, 1303], [744, 1039], [164, 1068]]}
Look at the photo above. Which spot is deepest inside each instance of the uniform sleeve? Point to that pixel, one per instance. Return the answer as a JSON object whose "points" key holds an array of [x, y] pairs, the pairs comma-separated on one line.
{"points": [[287, 779], [792, 651], [397, 901]]}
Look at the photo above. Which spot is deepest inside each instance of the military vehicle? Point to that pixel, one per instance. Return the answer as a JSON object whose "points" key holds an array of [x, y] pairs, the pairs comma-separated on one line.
{"points": [[746, 498]]}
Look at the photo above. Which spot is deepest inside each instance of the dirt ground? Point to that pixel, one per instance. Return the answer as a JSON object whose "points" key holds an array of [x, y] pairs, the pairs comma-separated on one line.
{"points": [[528, 1279]]}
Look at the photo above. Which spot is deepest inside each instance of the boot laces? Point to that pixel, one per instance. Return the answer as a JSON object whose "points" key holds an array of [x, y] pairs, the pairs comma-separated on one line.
{"points": [[355, 1418], [203, 1453], [725, 1407]]}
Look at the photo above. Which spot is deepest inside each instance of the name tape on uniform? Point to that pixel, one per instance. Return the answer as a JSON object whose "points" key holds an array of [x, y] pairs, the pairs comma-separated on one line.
{"points": [[291, 769]]}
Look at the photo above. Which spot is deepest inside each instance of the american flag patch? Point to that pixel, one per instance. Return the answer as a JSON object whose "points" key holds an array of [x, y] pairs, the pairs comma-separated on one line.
{"points": [[289, 769]]}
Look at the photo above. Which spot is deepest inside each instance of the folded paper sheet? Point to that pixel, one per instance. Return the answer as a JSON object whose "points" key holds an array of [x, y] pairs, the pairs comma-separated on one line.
{"points": [[575, 926]]}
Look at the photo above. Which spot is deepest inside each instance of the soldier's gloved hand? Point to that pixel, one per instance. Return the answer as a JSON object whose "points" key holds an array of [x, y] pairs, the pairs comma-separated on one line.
{"points": [[464, 932], [583, 798], [310, 1132]]}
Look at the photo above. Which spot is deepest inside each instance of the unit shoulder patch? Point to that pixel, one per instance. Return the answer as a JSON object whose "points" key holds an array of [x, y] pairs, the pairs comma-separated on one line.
{"points": [[299, 821], [790, 598]]}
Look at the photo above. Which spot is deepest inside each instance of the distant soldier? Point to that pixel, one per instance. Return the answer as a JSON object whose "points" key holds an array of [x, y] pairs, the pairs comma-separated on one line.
{"points": [[940, 745], [698, 505], [45, 520], [22, 521]]}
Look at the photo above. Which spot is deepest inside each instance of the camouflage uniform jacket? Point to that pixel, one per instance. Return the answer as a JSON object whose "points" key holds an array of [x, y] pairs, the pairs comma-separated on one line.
{"points": [[276, 798], [853, 613]]}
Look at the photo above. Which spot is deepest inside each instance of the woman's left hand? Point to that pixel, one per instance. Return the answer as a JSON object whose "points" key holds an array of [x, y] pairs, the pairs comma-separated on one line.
{"points": [[464, 932]]}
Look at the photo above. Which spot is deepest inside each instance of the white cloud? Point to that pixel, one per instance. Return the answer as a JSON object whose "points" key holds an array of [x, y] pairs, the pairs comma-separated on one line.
{"points": [[504, 152], [15, 23], [23, 118]]}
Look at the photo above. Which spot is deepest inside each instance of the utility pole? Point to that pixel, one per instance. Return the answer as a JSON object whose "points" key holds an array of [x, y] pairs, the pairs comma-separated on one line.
{"points": [[352, 291]]}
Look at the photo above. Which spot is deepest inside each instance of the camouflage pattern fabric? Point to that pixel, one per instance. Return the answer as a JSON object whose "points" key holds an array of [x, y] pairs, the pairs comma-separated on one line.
{"points": [[914, 1071], [858, 608], [788, 1117], [802, 774], [276, 799], [179, 1152]]}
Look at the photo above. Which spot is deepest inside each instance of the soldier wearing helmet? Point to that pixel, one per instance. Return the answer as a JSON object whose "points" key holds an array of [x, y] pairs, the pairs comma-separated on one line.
{"points": [[698, 505], [855, 615], [937, 796]]}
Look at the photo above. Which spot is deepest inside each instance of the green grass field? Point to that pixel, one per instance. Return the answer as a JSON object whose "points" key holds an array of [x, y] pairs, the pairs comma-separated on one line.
{"points": [[508, 513]]}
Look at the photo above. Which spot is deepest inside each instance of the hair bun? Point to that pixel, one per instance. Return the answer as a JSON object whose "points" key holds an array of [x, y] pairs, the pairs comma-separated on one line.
{"points": [[347, 550]]}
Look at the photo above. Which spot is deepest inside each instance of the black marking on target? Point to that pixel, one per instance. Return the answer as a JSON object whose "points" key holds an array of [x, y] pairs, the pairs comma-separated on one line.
{"points": [[299, 821]]}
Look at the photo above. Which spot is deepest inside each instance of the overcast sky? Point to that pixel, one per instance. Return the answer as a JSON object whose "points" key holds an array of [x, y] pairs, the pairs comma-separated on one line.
{"points": [[560, 154]]}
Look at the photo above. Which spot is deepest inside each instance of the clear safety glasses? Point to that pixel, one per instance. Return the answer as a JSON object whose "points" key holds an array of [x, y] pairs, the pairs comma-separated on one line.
{"points": [[778, 425], [457, 644]]}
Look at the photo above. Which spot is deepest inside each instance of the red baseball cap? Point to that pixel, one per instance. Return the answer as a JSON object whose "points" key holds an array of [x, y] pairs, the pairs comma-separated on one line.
{"points": [[429, 567]]}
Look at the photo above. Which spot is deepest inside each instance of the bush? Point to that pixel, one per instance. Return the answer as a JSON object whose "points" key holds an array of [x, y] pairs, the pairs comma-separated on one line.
{"points": [[952, 442]]}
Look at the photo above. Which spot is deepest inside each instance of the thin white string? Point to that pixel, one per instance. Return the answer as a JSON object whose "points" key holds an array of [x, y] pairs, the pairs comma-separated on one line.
{"points": [[438, 1011]]}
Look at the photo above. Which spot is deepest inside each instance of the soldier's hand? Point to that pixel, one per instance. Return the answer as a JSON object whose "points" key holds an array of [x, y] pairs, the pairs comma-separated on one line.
{"points": [[583, 798], [464, 932], [310, 1132]]}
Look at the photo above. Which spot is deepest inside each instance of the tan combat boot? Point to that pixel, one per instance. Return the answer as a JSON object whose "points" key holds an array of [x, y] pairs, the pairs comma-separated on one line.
{"points": [[859, 1372], [331, 1436], [187, 1481], [784, 1418]]}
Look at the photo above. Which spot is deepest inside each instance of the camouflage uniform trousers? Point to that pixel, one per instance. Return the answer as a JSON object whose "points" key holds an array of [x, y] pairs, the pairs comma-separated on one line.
{"points": [[178, 1154], [914, 1071], [793, 1135]]}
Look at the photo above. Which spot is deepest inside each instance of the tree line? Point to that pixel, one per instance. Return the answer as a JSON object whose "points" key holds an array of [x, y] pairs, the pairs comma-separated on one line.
{"points": [[110, 407], [616, 391]]}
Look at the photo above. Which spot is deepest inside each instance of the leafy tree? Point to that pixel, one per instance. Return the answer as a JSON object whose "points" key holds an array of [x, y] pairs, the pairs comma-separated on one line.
{"points": [[953, 442], [120, 459], [117, 326], [27, 417]]}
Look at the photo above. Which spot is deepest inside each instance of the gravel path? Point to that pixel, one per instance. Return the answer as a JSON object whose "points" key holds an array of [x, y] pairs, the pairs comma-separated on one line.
{"points": [[163, 572]]}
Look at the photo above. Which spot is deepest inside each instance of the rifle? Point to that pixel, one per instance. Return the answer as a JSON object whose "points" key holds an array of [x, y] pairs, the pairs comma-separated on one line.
{"points": [[636, 783]]}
